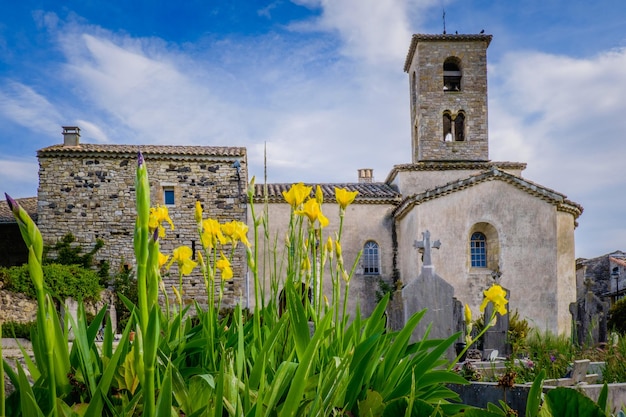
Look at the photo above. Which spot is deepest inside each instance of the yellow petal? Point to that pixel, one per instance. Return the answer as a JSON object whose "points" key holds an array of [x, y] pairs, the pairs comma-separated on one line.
{"points": [[344, 197]]}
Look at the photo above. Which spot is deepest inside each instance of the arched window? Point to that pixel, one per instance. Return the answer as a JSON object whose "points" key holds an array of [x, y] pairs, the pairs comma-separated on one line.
{"points": [[453, 126], [451, 75], [448, 135], [371, 258], [459, 127], [478, 250]]}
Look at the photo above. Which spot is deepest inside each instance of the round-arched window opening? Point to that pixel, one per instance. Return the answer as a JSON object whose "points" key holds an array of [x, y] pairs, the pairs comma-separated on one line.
{"points": [[451, 75]]}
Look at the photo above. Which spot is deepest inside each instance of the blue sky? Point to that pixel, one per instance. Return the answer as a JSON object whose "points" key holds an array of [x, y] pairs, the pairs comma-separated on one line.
{"points": [[321, 83]]}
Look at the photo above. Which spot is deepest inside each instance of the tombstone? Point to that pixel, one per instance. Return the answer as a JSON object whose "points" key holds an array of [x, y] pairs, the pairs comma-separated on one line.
{"points": [[430, 291], [590, 313], [70, 307], [496, 338]]}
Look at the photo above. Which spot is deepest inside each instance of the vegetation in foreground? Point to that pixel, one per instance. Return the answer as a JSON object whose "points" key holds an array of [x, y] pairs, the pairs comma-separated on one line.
{"points": [[307, 358]]}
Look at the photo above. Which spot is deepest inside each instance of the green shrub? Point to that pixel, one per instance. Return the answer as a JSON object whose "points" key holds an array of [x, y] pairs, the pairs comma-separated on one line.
{"points": [[615, 361], [17, 330], [125, 284], [68, 253], [617, 317], [63, 281]]}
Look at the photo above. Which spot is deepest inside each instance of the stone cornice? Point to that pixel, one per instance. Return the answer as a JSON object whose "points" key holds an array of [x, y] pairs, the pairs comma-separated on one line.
{"points": [[447, 38], [155, 151], [546, 194], [453, 165]]}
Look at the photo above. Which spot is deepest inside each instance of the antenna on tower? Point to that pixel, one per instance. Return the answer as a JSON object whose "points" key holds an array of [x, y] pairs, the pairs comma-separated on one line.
{"points": [[444, 21]]}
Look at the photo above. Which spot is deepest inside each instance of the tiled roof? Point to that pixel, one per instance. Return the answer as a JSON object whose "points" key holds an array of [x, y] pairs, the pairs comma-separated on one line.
{"points": [[163, 151], [369, 193], [453, 165], [618, 261], [539, 191], [29, 204], [448, 38]]}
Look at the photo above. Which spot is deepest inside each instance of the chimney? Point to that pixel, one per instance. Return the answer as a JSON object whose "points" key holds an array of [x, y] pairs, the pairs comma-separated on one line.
{"points": [[71, 135], [366, 175]]}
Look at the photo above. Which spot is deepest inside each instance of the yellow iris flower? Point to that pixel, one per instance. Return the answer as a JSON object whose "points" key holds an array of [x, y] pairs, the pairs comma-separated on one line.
{"points": [[182, 256], [163, 259], [468, 315], [211, 233], [344, 197], [198, 212], [496, 295], [235, 231], [297, 194], [313, 211], [224, 266], [158, 215], [319, 195]]}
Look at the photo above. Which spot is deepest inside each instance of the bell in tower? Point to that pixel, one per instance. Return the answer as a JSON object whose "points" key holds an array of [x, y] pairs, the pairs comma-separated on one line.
{"points": [[448, 77]]}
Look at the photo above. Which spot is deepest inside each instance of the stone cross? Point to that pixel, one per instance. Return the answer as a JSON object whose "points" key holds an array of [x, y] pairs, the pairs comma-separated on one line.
{"points": [[424, 248]]}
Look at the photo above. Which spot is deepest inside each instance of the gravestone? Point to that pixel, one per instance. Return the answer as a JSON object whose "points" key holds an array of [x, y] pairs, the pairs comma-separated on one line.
{"points": [[496, 338], [430, 291], [590, 313]]}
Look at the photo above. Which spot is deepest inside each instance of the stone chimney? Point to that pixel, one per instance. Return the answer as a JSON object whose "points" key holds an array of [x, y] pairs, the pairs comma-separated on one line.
{"points": [[71, 135], [366, 175]]}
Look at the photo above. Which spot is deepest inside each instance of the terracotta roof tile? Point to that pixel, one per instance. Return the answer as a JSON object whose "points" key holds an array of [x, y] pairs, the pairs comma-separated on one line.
{"points": [[29, 204], [369, 193], [551, 196], [163, 151]]}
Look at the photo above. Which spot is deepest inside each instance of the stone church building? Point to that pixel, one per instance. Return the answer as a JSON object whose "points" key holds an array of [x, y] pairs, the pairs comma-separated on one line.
{"points": [[492, 224]]}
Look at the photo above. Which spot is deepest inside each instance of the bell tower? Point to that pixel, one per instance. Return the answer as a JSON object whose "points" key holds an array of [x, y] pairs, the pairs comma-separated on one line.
{"points": [[448, 85]]}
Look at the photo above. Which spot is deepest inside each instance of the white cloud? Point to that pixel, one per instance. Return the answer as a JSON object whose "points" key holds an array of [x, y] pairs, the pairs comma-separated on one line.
{"points": [[24, 106], [568, 113], [19, 177]]}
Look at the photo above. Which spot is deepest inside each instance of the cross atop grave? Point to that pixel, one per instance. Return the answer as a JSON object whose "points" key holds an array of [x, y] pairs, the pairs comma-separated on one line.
{"points": [[423, 246]]}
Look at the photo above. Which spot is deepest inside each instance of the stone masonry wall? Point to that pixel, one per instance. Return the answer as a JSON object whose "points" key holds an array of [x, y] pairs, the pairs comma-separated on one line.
{"points": [[92, 195], [432, 101]]}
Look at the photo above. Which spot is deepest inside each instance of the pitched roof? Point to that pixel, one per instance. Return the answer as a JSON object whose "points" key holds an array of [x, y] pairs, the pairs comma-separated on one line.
{"points": [[29, 204], [162, 151], [447, 38], [369, 193], [551, 196], [453, 165]]}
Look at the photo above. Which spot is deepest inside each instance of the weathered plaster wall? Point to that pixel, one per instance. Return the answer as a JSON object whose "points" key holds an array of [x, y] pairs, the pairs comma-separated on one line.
{"points": [[362, 222], [528, 259]]}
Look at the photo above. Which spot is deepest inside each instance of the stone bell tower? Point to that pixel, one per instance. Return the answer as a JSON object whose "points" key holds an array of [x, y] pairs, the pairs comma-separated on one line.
{"points": [[448, 84]]}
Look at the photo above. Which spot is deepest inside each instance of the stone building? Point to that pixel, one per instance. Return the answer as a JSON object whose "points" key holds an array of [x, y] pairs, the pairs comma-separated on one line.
{"points": [[89, 190], [491, 222], [604, 275]]}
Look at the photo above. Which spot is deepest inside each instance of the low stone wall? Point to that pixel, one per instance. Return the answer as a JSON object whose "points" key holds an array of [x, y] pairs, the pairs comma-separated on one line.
{"points": [[478, 394], [19, 308]]}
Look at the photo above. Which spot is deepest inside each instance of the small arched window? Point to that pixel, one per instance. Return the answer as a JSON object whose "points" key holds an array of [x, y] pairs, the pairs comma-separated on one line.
{"points": [[459, 127], [371, 258], [478, 250], [451, 75], [453, 126]]}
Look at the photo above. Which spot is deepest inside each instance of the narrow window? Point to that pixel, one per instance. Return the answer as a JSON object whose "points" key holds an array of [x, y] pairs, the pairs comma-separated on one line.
{"points": [[459, 127], [168, 196], [478, 250], [451, 75], [371, 260], [447, 127]]}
